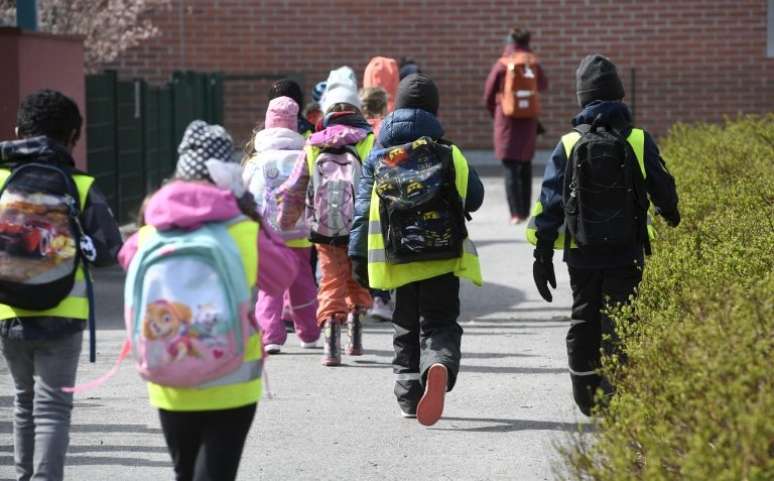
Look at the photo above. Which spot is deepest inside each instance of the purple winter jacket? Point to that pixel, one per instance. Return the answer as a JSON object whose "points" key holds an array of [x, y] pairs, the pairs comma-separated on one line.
{"points": [[514, 139]]}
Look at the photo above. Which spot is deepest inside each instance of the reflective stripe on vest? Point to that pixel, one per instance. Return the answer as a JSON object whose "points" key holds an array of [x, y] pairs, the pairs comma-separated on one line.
{"points": [[76, 304], [241, 387], [636, 140], [383, 275]]}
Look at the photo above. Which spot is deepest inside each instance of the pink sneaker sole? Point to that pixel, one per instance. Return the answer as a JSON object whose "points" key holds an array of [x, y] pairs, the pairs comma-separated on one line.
{"points": [[430, 407]]}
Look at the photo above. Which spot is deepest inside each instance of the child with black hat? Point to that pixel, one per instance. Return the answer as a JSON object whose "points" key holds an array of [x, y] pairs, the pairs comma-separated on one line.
{"points": [[593, 204], [409, 235]]}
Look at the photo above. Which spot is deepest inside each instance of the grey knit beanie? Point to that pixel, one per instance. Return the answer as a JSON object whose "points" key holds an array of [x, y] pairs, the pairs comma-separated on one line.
{"points": [[597, 79], [202, 142]]}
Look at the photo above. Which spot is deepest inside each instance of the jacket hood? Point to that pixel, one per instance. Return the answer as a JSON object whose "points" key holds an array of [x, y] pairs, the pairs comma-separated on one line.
{"points": [[337, 136], [407, 125], [187, 205], [38, 149], [383, 72], [615, 114], [278, 138]]}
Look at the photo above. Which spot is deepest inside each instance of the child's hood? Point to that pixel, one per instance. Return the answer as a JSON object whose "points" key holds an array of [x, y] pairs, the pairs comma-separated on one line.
{"points": [[337, 136], [187, 205], [613, 113], [278, 138]]}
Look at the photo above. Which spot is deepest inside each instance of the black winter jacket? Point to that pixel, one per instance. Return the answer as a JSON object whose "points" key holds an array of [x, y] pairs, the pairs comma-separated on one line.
{"points": [[97, 221], [659, 183], [400, 127]]}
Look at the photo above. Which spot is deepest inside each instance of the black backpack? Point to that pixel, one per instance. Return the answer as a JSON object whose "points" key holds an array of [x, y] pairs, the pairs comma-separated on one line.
{"points": [[422, 214], [603, 190], [40, 235]]}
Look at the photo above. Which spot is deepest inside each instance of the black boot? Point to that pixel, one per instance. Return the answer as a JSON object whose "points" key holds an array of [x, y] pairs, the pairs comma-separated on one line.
{"points": [[332, 345], [355, 331]]}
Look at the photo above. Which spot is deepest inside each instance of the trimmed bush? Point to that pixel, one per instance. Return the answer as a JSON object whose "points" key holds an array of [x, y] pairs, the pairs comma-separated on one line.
{"points": [[696, 399]]}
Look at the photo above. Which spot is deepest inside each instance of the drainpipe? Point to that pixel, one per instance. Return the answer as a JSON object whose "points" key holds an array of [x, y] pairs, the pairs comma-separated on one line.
{"points": [[27, 14]]}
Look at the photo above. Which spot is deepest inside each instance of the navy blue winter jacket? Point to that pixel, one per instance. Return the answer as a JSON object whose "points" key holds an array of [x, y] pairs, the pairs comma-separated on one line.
{"points": [[659, 183], [400, 127]]}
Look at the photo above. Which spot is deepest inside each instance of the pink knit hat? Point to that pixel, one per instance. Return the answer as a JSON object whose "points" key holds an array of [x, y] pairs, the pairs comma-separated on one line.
{"points": [[282, 112]]}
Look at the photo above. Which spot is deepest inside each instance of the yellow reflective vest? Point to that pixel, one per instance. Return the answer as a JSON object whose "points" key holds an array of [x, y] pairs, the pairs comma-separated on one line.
{"points": [[229, 396], [76, 304], [636, 140], [383, 275]]}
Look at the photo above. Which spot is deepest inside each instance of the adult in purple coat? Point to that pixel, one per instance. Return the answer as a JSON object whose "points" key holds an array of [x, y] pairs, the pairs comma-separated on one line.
{"points": [[514, 139]]}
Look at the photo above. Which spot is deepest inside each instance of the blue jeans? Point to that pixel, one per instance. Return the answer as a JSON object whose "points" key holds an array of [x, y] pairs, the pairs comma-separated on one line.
{"points": [[41, 425]]}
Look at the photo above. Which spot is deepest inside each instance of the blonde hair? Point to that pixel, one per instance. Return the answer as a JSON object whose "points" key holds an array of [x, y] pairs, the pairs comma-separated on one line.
{"points": [[374, 101]]}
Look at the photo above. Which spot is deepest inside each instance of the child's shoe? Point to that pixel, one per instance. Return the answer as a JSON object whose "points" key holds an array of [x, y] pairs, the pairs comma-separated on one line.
{"points": [[308, 345], [272, 348], [430, 407], [332, 346], [355, 331], [381, 311], [408, 414]]}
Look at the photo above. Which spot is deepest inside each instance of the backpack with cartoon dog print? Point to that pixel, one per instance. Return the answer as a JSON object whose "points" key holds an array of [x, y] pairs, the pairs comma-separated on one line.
{"points": [[187, 306]]}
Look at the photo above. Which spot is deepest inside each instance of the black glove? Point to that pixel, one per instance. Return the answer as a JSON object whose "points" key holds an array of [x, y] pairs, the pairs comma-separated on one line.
{"points": [[543, 272], [673, 219], [360, 271]]}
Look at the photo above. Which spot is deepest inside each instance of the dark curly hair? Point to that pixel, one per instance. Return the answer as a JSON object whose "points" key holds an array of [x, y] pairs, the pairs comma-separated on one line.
{"points": [[520, 36], [287, 88], [49, 113]]}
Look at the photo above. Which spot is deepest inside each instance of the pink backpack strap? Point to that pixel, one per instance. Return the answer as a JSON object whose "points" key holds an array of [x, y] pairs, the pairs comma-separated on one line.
{"points": [[125, 349]]}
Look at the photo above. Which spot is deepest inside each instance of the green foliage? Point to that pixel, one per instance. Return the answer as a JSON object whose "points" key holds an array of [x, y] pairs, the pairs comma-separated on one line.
{"points": [[696, 399]]}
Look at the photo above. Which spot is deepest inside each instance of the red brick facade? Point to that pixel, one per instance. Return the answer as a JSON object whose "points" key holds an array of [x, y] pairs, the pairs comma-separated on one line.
{"points": [[694, 59]]}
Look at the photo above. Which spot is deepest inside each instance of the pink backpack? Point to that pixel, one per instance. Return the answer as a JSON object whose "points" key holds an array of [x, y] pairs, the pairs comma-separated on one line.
{"points": [[330, 205]]}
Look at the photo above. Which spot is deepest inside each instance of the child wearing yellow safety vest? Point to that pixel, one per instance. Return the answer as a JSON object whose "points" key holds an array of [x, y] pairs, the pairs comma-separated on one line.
{"points": [[206, 427], [322, 187], [605, 256], [42, 347], [427, 336]]}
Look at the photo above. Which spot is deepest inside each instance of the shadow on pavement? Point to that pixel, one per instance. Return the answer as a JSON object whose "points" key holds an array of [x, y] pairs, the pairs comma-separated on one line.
{"points": [[466, 355], [498, 298], [495, 242], [511, 425], [473, 369]]}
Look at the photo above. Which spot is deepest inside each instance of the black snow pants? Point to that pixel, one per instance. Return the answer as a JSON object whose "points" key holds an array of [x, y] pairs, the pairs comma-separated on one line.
{"points": [[426, 333], [591, 330]]}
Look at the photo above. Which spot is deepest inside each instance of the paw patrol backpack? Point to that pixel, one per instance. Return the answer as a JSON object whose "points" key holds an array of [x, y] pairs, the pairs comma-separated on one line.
{"points": [[187, 305]]}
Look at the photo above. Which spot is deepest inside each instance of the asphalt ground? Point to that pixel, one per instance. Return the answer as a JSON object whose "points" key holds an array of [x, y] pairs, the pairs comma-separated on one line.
{"points": [[510, 409]]}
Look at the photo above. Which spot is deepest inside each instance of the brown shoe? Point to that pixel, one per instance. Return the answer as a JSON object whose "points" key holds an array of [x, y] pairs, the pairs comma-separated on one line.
{"points": [[430, 407]]}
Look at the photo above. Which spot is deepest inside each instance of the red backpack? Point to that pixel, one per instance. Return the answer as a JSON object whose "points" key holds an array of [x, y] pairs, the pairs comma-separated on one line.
{"points": [[520, 98]]}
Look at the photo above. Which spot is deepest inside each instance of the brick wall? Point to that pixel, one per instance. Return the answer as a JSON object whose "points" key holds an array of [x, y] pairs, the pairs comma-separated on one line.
{"points": [[694, 59]]}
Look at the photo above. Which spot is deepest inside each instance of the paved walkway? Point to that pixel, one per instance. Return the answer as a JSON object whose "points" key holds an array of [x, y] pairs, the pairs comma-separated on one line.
{"points": [[511, 405]]}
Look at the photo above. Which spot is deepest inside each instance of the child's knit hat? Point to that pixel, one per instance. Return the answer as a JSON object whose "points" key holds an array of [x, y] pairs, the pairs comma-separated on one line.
{"points": [[341, 88], [202, 142], [282, 112], [597, 79]]}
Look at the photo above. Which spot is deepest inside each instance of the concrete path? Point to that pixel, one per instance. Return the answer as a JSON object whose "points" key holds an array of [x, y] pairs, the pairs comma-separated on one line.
{"points": [[511, 406]]}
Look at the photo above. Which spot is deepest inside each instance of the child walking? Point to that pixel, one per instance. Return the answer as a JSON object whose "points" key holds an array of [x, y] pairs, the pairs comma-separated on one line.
{"points": [[189, 322], [598, 215], [425, 186], [325, 175], [41, 345], [374, 100], [277, 148]]}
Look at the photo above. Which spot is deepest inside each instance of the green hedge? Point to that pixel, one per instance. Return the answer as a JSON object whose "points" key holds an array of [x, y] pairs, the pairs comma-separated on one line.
{"points": [[696, 399]]}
